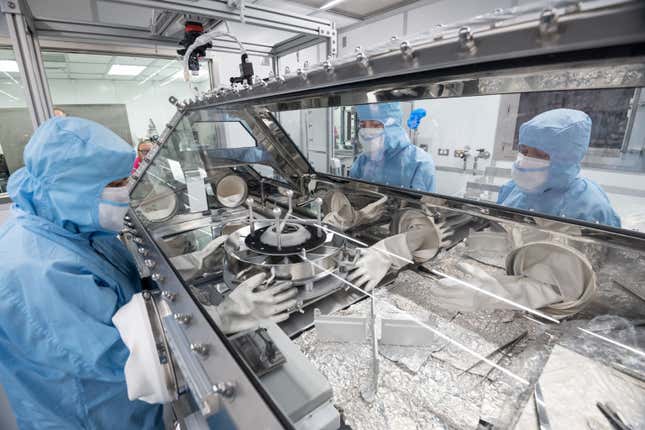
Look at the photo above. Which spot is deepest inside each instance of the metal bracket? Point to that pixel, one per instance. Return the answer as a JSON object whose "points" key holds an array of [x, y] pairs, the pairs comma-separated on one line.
{"points": [[380, 331], [19, 7], [184, 354], [393, 331]]}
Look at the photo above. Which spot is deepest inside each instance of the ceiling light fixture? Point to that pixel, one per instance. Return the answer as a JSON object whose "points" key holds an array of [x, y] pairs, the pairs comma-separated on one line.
{"points": [[330, 4], [125, 70], [8, 66]]}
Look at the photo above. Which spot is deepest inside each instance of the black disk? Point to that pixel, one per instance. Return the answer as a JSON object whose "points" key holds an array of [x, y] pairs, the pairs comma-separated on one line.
{"points": [[253, 242]]}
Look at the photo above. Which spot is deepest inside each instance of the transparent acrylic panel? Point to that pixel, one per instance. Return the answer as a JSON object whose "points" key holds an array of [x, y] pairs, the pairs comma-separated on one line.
{"points": [[132, 103], [411, 310], [15, 124], [588, 146], [205, 167]]}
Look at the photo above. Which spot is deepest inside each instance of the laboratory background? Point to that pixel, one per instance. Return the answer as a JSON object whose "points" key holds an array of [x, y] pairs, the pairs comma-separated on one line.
{"points": [[346, 214]]}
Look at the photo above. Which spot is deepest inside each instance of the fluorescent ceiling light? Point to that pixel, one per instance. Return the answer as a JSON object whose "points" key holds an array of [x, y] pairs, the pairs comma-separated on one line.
{"points": [[330, 4], [123, 70], [8, 66]]}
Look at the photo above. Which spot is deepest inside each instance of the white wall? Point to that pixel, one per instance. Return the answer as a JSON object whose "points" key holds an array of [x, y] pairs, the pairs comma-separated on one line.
{"points": [[142, 101], [458, 123], [228, 65], [299, 59]]}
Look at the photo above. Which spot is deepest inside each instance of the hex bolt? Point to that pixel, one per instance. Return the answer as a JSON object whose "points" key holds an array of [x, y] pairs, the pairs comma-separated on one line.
{"points": [[150, 263], [406, 49], [548, 22], [157, 277], [182, 318], [361, 57], [199, 348], [226, 389], [143, 251], [169, 296], [467, 40]]}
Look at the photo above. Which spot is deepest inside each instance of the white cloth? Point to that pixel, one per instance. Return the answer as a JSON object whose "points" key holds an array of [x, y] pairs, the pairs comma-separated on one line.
{"points": [[144, 374], [248, 304]]}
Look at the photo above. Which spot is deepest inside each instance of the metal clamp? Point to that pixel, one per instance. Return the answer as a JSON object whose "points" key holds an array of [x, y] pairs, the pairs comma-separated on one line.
{"points": [[549, 28], [361, 57], [163, 350], [184, 353], [467, 40]]}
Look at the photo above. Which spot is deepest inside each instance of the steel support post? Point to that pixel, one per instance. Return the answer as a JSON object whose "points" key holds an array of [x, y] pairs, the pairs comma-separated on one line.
{"points": [[29, 59]]}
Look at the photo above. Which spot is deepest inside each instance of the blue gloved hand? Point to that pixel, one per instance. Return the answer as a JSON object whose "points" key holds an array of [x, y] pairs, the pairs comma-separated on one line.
{"points": [[415, 118]]}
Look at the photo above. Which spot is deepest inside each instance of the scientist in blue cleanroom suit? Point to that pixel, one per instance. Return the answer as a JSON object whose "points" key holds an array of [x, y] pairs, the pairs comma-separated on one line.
{"points": [[545, 174], [388, 157], [63, 275]]}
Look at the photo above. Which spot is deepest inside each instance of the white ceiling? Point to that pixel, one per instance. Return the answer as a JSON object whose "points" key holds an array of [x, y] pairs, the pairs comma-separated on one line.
{"points": [[96, 67], [107, 12], [359, 8]]}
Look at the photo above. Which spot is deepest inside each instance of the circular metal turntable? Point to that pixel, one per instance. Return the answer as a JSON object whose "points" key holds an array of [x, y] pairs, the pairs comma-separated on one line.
{"points": [[301, 252], [292, 240]]}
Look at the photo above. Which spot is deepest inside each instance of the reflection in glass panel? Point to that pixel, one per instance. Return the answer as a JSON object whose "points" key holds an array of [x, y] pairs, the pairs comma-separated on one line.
{"points": [[206, 166], [15, 122], [572, 154]]}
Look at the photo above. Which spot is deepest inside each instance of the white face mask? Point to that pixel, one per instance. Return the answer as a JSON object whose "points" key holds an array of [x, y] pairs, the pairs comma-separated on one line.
{"points": [[113, 205], [372, 140], [530, 174]]}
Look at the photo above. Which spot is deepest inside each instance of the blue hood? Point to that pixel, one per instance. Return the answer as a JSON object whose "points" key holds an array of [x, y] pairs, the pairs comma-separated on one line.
{"points": [[68, 163], [390, 115], [564, 134]]}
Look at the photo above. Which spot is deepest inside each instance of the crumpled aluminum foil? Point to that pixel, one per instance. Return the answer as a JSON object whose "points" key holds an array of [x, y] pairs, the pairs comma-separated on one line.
{"points": [[419, 387], [427, 387]]}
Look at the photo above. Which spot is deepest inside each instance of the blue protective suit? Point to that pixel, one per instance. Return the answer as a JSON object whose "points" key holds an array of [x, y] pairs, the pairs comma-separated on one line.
{"points": [[564, 134], [402, 164], [61, 280]]}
